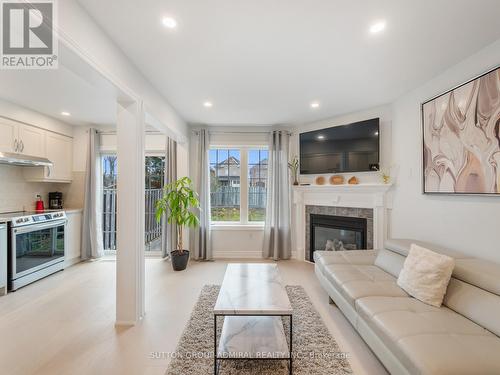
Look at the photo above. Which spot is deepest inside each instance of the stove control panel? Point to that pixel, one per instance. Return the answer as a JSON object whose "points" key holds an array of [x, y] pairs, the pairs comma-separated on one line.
{"points": [[22, 220], [38, 218]]}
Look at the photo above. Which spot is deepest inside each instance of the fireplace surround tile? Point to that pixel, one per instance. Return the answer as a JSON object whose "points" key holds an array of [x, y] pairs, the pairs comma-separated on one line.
{"points": [[366, 213]]}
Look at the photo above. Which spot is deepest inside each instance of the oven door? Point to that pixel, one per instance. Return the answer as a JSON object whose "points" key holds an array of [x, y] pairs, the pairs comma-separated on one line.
{"points": [[37, 246]]}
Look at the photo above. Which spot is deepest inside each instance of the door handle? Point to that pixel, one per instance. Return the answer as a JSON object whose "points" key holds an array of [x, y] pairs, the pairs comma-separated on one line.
{"points": [[22, 146], [15, 145]]}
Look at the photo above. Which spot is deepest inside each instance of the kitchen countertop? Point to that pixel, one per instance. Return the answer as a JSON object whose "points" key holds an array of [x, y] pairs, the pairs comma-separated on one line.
{"points": [[68, 210]]}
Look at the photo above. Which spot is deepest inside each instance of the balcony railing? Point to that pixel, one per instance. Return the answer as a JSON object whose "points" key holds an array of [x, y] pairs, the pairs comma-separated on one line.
{"points": [[152, 231]]}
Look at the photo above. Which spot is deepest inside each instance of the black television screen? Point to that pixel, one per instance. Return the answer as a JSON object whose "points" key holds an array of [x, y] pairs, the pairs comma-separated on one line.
{"points": [[347, 148]]}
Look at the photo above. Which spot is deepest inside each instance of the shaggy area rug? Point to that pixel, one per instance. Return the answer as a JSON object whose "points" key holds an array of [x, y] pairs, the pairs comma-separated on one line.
{"points": [[315, 350]]}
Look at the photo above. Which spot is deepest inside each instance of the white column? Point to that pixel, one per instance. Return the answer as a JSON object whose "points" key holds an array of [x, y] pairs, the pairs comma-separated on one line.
{"points": [[130, 213]]}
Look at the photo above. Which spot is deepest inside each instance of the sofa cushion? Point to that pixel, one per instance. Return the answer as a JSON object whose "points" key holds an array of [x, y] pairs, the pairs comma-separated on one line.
{"points": [[356, 281], [481, 273], [426, 274], [390, 262], [402, 246], [323, 258], [428, 339], [474, 303]]}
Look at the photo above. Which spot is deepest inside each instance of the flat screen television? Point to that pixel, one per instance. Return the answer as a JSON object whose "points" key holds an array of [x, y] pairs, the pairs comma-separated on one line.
{"points": [[346, 148]]}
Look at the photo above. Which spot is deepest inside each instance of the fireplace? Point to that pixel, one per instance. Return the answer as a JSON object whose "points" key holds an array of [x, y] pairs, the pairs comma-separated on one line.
{"points": [[336, 233]]}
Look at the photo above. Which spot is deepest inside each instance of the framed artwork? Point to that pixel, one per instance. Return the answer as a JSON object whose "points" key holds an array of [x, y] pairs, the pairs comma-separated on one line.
{"points": [[461, 138]]}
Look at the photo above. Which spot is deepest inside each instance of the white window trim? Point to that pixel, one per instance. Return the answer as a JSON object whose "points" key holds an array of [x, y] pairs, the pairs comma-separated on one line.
{"points": [[243, 223]]}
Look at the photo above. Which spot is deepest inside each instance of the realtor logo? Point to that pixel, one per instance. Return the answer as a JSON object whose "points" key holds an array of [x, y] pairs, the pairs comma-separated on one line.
{"points": [[28, 38]]}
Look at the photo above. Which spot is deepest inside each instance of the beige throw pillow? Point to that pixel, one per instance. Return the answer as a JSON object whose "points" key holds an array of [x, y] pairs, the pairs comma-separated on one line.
{"points": [[426, 274]]}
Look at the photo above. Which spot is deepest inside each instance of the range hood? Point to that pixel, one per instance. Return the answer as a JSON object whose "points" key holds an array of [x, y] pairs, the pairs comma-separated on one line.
{"points": [[24, 160]]}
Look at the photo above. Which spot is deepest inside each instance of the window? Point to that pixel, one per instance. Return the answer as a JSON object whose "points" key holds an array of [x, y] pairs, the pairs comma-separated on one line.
{"points": [[238, 184], [225, 168], [257, 184]]}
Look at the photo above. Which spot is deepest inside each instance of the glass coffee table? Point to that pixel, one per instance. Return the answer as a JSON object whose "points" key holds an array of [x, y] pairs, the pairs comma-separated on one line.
{"points": [[252, 300]]}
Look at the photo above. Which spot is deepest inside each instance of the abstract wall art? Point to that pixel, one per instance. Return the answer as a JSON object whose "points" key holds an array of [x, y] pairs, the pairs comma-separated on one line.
{"points": [[461, 138]]}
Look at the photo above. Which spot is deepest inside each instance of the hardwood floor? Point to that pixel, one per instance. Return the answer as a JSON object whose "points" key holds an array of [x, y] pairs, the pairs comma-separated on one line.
{"points": [[64, 324]]}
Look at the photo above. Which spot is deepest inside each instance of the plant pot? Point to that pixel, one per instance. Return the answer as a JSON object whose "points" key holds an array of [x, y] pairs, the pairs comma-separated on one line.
{"points": [[179, 259]]}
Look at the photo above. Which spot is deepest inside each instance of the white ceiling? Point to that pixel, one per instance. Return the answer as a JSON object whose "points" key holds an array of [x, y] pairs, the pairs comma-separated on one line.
{"points": [[264, 61], [74, 87]]}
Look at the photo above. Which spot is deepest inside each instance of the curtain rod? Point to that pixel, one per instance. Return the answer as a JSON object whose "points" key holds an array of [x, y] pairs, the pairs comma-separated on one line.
{"points": [[113, 132], [242, 132]]}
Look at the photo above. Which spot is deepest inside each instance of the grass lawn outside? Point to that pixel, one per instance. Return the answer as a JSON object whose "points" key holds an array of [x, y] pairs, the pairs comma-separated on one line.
{"points": [[233, 214]]}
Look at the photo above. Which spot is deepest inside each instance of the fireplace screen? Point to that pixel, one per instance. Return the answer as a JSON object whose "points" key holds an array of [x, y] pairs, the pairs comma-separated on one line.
{"points": [[337, 239], [337, 233]]}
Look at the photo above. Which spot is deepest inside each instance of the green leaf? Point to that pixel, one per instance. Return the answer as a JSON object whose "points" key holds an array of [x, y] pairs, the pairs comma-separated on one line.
{"points": [[177, 201]]}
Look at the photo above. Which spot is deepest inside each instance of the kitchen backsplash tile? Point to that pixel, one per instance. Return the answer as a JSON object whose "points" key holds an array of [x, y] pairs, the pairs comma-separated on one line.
{"points": [[18, 194]]}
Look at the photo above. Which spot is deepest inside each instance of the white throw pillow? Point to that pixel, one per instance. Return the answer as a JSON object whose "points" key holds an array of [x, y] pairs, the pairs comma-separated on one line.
{"points": [[426, 274]]}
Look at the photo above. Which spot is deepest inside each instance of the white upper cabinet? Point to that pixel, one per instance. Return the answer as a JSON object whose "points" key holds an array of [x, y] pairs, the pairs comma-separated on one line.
{"points": [[21, 139], [59, 150], [31, 141], [8, 135]]}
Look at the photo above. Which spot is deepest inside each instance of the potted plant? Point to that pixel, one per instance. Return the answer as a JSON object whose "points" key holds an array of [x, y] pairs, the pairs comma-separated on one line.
{"points": [[178, 202]]}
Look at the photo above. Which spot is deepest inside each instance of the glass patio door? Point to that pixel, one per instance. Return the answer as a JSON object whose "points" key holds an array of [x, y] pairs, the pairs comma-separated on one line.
{"points": [[154, 173]]}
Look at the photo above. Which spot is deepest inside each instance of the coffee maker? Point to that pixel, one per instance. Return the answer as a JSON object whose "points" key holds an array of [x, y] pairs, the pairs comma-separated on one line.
{"points": [[55, 200]]}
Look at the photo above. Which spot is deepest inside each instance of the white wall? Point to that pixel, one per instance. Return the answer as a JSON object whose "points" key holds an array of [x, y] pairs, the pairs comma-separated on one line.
{"points": [[237, 242], [28, 116], [466, 223], [78, 29], [382, 112]]}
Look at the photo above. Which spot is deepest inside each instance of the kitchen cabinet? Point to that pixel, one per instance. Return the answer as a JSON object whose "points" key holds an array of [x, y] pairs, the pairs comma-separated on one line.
{"points": [[31, 140], [3, 259], [23, 139], [8, 135], [73, 237], [59, 150]]}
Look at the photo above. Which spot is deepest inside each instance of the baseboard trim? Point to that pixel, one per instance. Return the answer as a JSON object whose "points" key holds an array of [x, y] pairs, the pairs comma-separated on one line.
{"points": [[125, 323], [71, 262], [238, 254]]}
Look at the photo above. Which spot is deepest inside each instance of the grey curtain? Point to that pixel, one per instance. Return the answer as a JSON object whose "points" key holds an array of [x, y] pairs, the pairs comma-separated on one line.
{"points": [[201, 179], [277, 234], [169, 231], [92, 243]]}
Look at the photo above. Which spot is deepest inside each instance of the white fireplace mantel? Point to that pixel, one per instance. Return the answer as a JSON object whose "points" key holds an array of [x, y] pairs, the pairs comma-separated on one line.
{"points": [[373, 196]]}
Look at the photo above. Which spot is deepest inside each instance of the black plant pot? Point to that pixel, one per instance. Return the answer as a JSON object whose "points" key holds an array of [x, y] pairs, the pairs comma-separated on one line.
{"points": [[179, 259]]}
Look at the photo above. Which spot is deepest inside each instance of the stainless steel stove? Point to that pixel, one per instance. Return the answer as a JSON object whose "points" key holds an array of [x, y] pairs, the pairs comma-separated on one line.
{"points": [[36, 245]]}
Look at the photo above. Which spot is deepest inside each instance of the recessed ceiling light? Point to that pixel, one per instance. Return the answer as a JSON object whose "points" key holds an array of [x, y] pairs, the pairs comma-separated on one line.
{"points": [[169, 22], [377, 27], [314, 105], [320, 137], [64, 113], [208, 104]]}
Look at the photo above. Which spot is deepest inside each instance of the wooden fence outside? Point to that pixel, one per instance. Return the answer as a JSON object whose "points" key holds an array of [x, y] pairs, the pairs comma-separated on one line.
{"points": [[229, 196]]}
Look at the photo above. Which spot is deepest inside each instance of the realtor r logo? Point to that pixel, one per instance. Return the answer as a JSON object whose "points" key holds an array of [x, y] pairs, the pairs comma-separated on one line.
{"points": [[28, 38]]}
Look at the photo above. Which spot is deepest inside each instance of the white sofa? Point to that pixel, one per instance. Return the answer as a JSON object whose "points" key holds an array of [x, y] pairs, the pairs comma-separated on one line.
{"points": [[408, 336]]}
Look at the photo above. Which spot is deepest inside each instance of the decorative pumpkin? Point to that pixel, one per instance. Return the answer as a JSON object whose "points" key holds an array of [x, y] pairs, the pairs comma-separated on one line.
{"points": [[320, 180], [336, 180], [353, 180]]}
